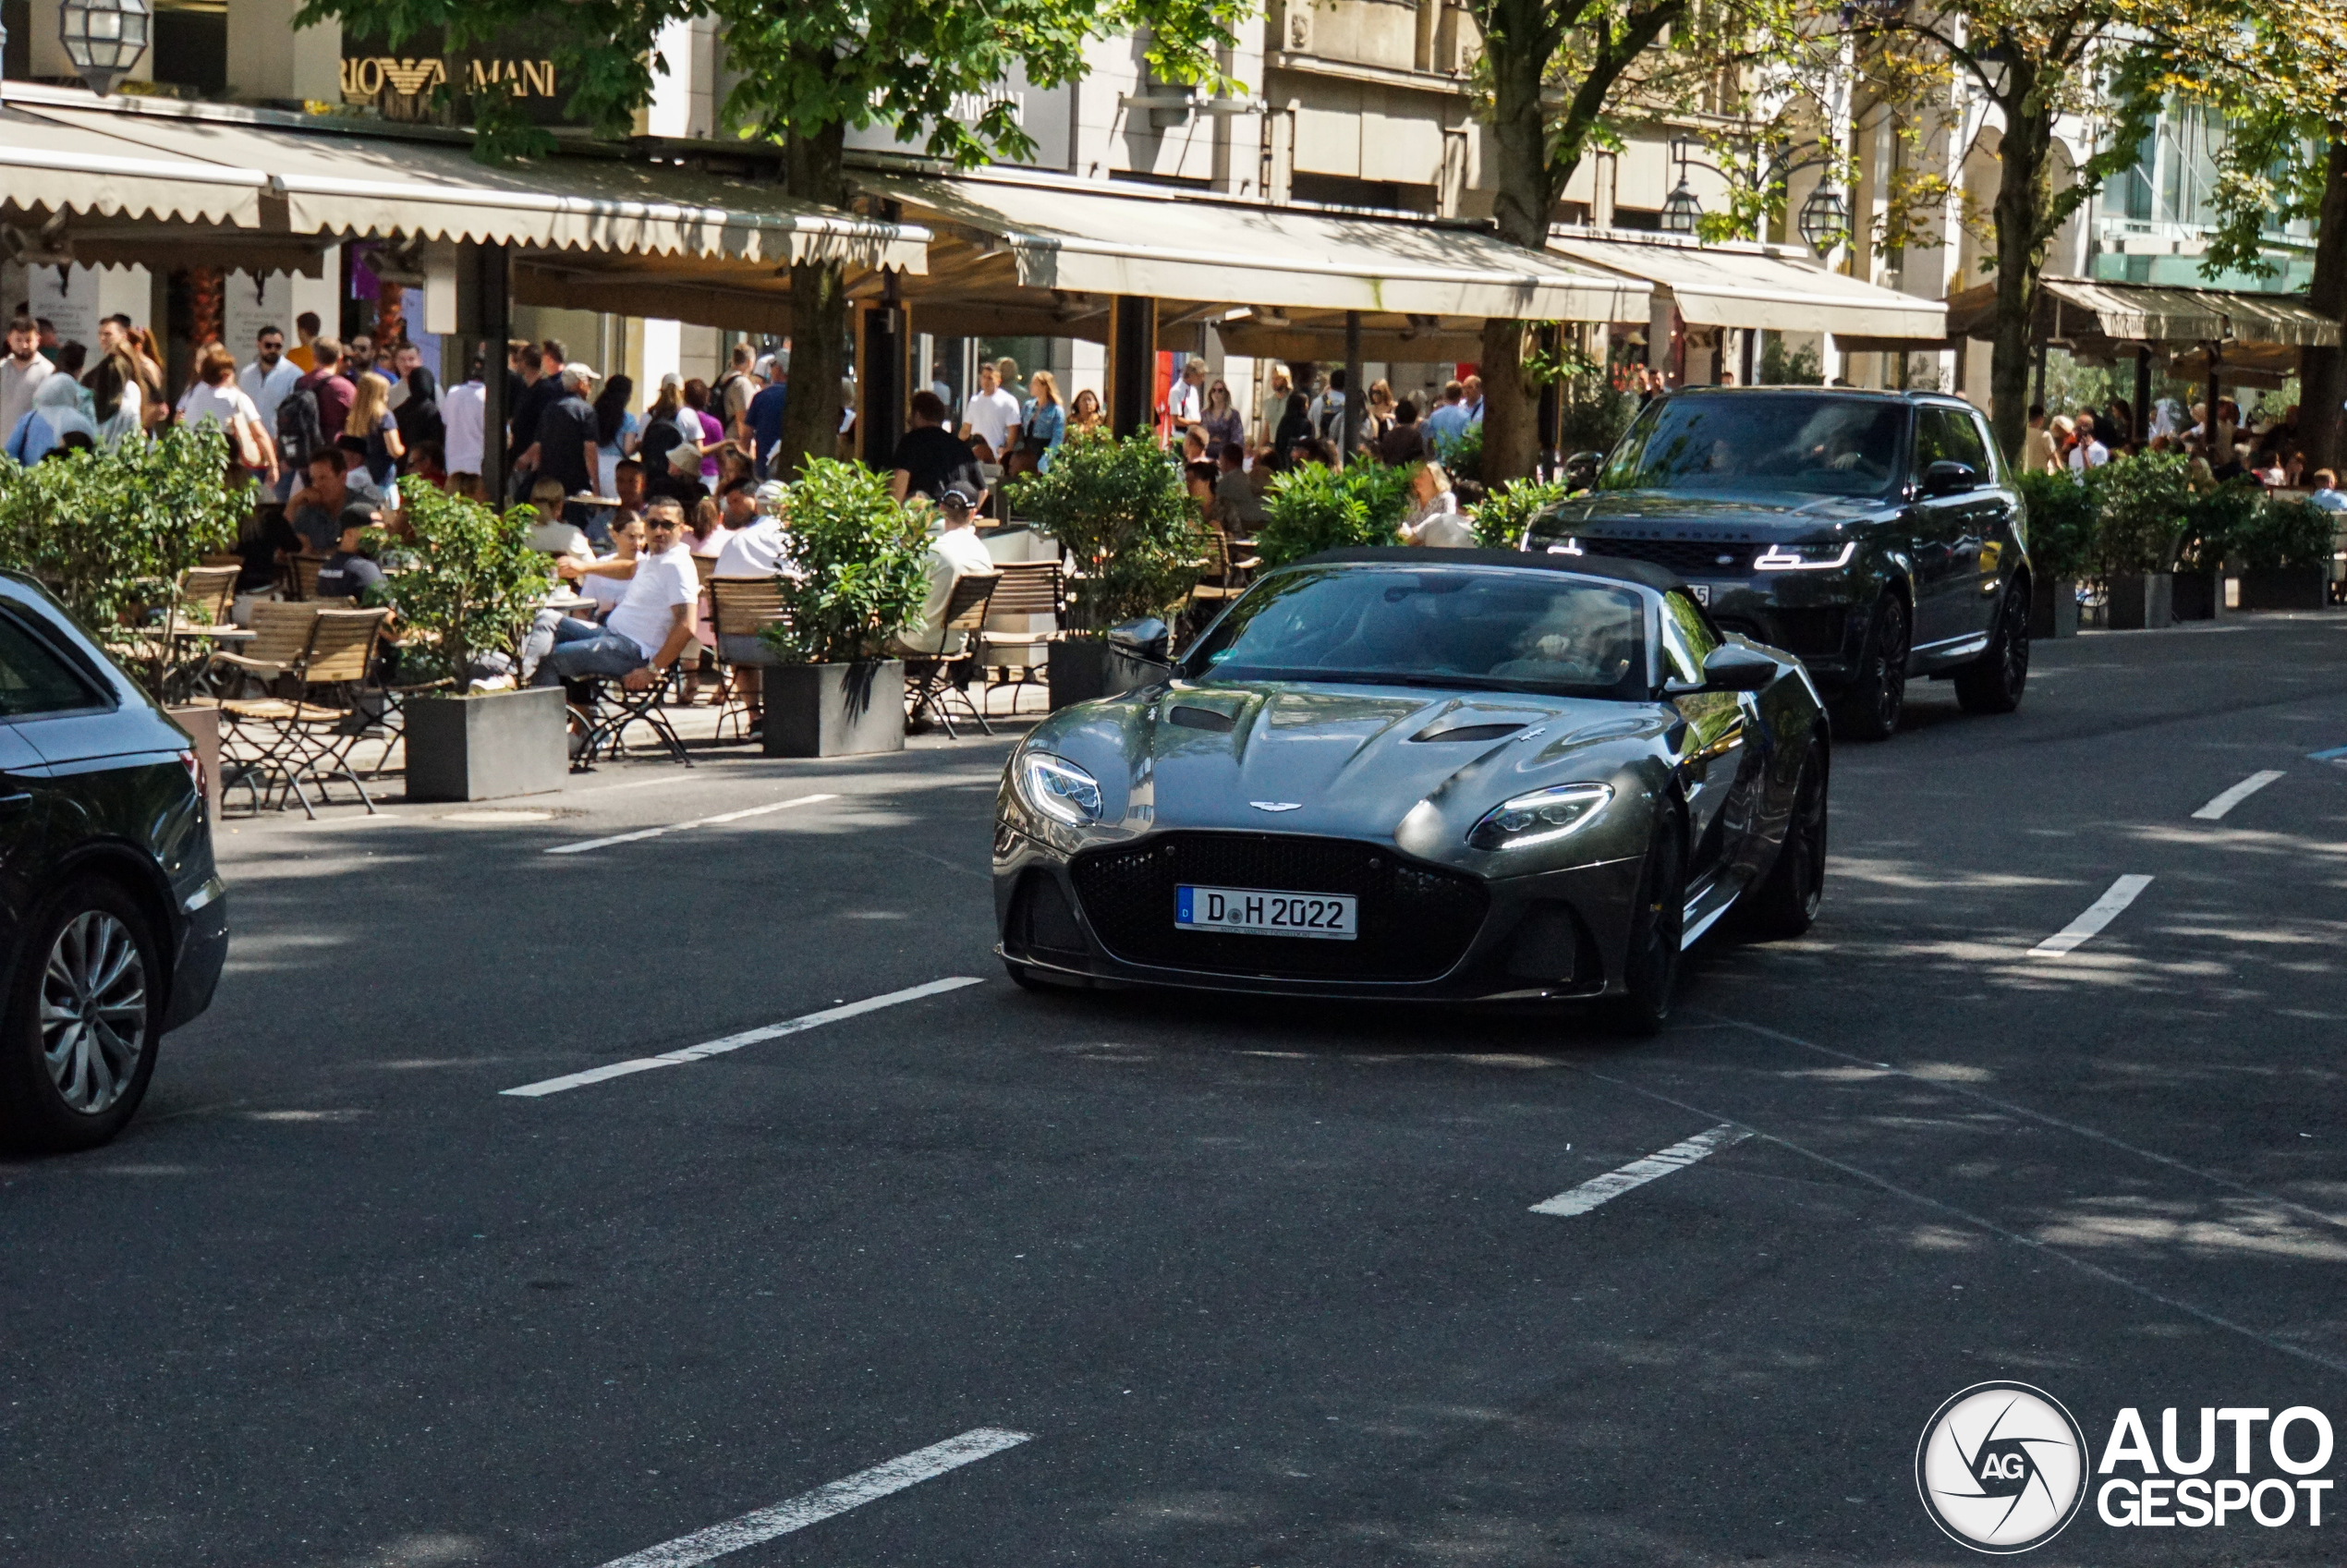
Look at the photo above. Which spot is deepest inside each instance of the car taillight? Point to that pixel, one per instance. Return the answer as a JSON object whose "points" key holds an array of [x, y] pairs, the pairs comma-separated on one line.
{"points": [[194, 765]]}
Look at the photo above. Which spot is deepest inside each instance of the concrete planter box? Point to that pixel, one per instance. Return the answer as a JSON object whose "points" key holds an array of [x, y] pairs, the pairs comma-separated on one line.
{"points": [[202, 726], [1086, 667], [834, 709], [2199, 596], [2141, 602], [2053, 609], [482, 748], [2286, 588]]}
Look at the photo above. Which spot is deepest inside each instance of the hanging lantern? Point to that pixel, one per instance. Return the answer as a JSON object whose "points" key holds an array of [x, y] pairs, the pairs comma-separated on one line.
{"points": [[1680, 209], [1825, 221], [104, 38]]}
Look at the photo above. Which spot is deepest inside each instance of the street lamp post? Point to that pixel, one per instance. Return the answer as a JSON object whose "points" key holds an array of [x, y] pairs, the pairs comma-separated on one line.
{"points": [[1825, 220], [104, 38]]}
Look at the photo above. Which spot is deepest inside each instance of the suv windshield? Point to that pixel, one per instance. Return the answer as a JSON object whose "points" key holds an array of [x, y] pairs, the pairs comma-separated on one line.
{"points": [[1799, 442], [1489, 630]]}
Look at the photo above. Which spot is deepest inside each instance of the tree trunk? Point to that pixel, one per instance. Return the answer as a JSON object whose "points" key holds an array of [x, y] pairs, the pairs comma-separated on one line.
{"points": [[2322, 372], [2021, 199], [1520, 206], [1511, 404], [815, 170]]}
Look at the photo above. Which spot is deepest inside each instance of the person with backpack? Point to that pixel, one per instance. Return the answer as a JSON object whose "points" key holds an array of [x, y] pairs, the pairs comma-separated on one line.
{"points": [[310, 418]]}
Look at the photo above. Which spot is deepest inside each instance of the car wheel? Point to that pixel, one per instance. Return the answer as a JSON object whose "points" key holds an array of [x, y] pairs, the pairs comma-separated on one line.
{"points": [[1650, 966], [1992, 682], [1786, 904], [77, 1039], [1871, 709]]}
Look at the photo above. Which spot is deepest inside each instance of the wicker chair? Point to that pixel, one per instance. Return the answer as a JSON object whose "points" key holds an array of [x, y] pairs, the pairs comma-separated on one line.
{"points": [[740, 607], [1029, 588], [929, 677], [289, 735]]}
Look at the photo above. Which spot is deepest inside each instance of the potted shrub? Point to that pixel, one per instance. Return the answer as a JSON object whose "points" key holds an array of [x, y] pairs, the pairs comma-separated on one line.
{"points": [[1310, 509], [466, 593], [108, 532], [2062, 540], [859, 558], [2140, 507], [2213, 525], [1503, 518], [1120, 508], [2284, 551]]}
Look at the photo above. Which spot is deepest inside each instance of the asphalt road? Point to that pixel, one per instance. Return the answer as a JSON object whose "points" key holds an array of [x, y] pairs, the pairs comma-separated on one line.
{"points": [[1260, 1286]]}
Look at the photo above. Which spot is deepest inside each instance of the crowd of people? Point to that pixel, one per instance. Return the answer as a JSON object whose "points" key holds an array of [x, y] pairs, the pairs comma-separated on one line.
{"points": [[2262, 449]]}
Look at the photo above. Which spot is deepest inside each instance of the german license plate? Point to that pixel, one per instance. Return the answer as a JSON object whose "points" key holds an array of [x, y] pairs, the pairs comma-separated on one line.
{"points": [[1702, 591], [1254, 911]]}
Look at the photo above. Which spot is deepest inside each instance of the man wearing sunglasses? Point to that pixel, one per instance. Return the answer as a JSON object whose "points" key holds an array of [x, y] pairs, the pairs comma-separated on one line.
{"points": [[653, 623]]}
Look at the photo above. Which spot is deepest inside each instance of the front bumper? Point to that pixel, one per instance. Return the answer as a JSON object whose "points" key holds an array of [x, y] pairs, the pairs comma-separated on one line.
{"points": [[1821, 619], [1544, 936]]}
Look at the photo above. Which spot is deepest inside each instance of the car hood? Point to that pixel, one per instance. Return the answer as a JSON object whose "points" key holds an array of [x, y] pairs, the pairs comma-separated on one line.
{"points": [[1336, 759], [1757, 514]]}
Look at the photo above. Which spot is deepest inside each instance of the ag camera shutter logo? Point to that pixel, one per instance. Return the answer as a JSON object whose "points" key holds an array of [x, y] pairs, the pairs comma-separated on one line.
{"points": [[2001, 1467]]}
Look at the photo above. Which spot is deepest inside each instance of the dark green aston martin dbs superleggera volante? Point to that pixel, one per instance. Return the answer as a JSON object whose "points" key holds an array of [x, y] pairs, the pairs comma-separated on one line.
{"points": [[1452, 775]]}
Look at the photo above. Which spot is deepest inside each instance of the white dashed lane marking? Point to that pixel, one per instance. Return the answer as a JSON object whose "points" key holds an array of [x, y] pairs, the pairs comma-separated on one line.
{"points": [[1638, 1172], [583, 847], [2215, 810], [735, 1042], [824, 1501], [2101, 913]]}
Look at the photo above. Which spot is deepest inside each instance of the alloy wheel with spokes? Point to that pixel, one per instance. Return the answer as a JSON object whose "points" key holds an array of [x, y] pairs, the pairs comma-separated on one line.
{"points": [[93, 1011]]}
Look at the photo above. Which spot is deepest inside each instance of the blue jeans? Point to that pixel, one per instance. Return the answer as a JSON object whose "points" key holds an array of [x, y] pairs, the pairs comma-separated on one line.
{"points": [[583, 650]]}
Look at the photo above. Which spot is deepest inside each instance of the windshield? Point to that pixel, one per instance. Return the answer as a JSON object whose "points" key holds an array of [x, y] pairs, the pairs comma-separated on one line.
{"points": [[1487, 630], [1795, 442]]}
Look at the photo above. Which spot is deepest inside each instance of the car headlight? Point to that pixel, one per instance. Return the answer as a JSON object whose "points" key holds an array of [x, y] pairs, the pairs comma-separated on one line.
{"points": [[1058, 788], [1541, 817], [1826, 556]]}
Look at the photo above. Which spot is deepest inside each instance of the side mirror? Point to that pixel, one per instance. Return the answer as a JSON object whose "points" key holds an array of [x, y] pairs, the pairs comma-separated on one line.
{"points": [[1950, 478], [1147, 638], [1581, 470], [1737, 669]]}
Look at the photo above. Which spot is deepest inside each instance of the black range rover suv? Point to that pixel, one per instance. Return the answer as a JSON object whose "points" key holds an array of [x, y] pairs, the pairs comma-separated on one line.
{"points": [[1874, 535]]}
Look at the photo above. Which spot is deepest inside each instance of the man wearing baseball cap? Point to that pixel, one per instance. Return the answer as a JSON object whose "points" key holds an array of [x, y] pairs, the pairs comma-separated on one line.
{"points": [[956, 552], [567, 433]]}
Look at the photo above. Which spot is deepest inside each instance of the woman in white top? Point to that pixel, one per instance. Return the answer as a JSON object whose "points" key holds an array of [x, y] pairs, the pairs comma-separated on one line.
{"points": [[1434, 517], [214, 398]]}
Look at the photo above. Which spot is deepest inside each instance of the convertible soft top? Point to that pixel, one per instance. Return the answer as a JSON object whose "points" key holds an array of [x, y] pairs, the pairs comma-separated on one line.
{"points": [[1644, 574]]}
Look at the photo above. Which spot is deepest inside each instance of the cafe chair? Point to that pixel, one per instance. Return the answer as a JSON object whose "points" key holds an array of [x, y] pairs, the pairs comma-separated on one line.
{"points": [[930, 685]]}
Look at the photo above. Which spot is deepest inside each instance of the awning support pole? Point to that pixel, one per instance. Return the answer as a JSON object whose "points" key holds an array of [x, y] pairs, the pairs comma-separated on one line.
{"points": [[2208, 431], [493, 288], [1356, 398], [2141, 435], [1132, 363], [1552, 415], [879, 384]]}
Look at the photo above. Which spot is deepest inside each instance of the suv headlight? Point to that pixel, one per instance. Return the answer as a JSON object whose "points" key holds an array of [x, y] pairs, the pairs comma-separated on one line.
{"points": [[1541, 817], [1058, 788], [1827, 556]]}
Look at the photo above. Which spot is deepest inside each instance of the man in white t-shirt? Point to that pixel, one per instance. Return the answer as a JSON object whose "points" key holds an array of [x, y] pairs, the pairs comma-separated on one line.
{"points": [[21, 373], [650, 626], [957, 552], [759, 553], [992, 417], [462, 411], [270, 375], [1186, 401], [2090, 453]]}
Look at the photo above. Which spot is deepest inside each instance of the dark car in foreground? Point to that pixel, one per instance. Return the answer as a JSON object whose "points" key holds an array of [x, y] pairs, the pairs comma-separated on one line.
{"points": [[1416, 775], [114, 925], [1873, 535]]}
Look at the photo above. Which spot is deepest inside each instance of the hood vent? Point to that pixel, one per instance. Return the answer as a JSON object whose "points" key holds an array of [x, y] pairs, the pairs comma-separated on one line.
{"points": [[1203, 719], [1469, 732]]}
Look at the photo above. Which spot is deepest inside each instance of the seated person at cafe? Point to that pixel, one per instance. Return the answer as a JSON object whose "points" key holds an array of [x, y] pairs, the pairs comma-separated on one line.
{"points": [[605, 580], [551, 533], [1234, 491], [650, 626], [931, 459], [316, 508], [957, 552], [348, 573], [758, 551]]}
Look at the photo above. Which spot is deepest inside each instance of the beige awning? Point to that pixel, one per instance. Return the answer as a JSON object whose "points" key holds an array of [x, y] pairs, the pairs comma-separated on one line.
{"points": [[340, 182], [1747, 285], [2092, 316], [1115, 240]]}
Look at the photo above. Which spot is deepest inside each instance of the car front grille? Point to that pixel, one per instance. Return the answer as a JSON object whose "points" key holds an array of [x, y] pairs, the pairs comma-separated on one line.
{"points": [[1416, 921], [1688, 557]]}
